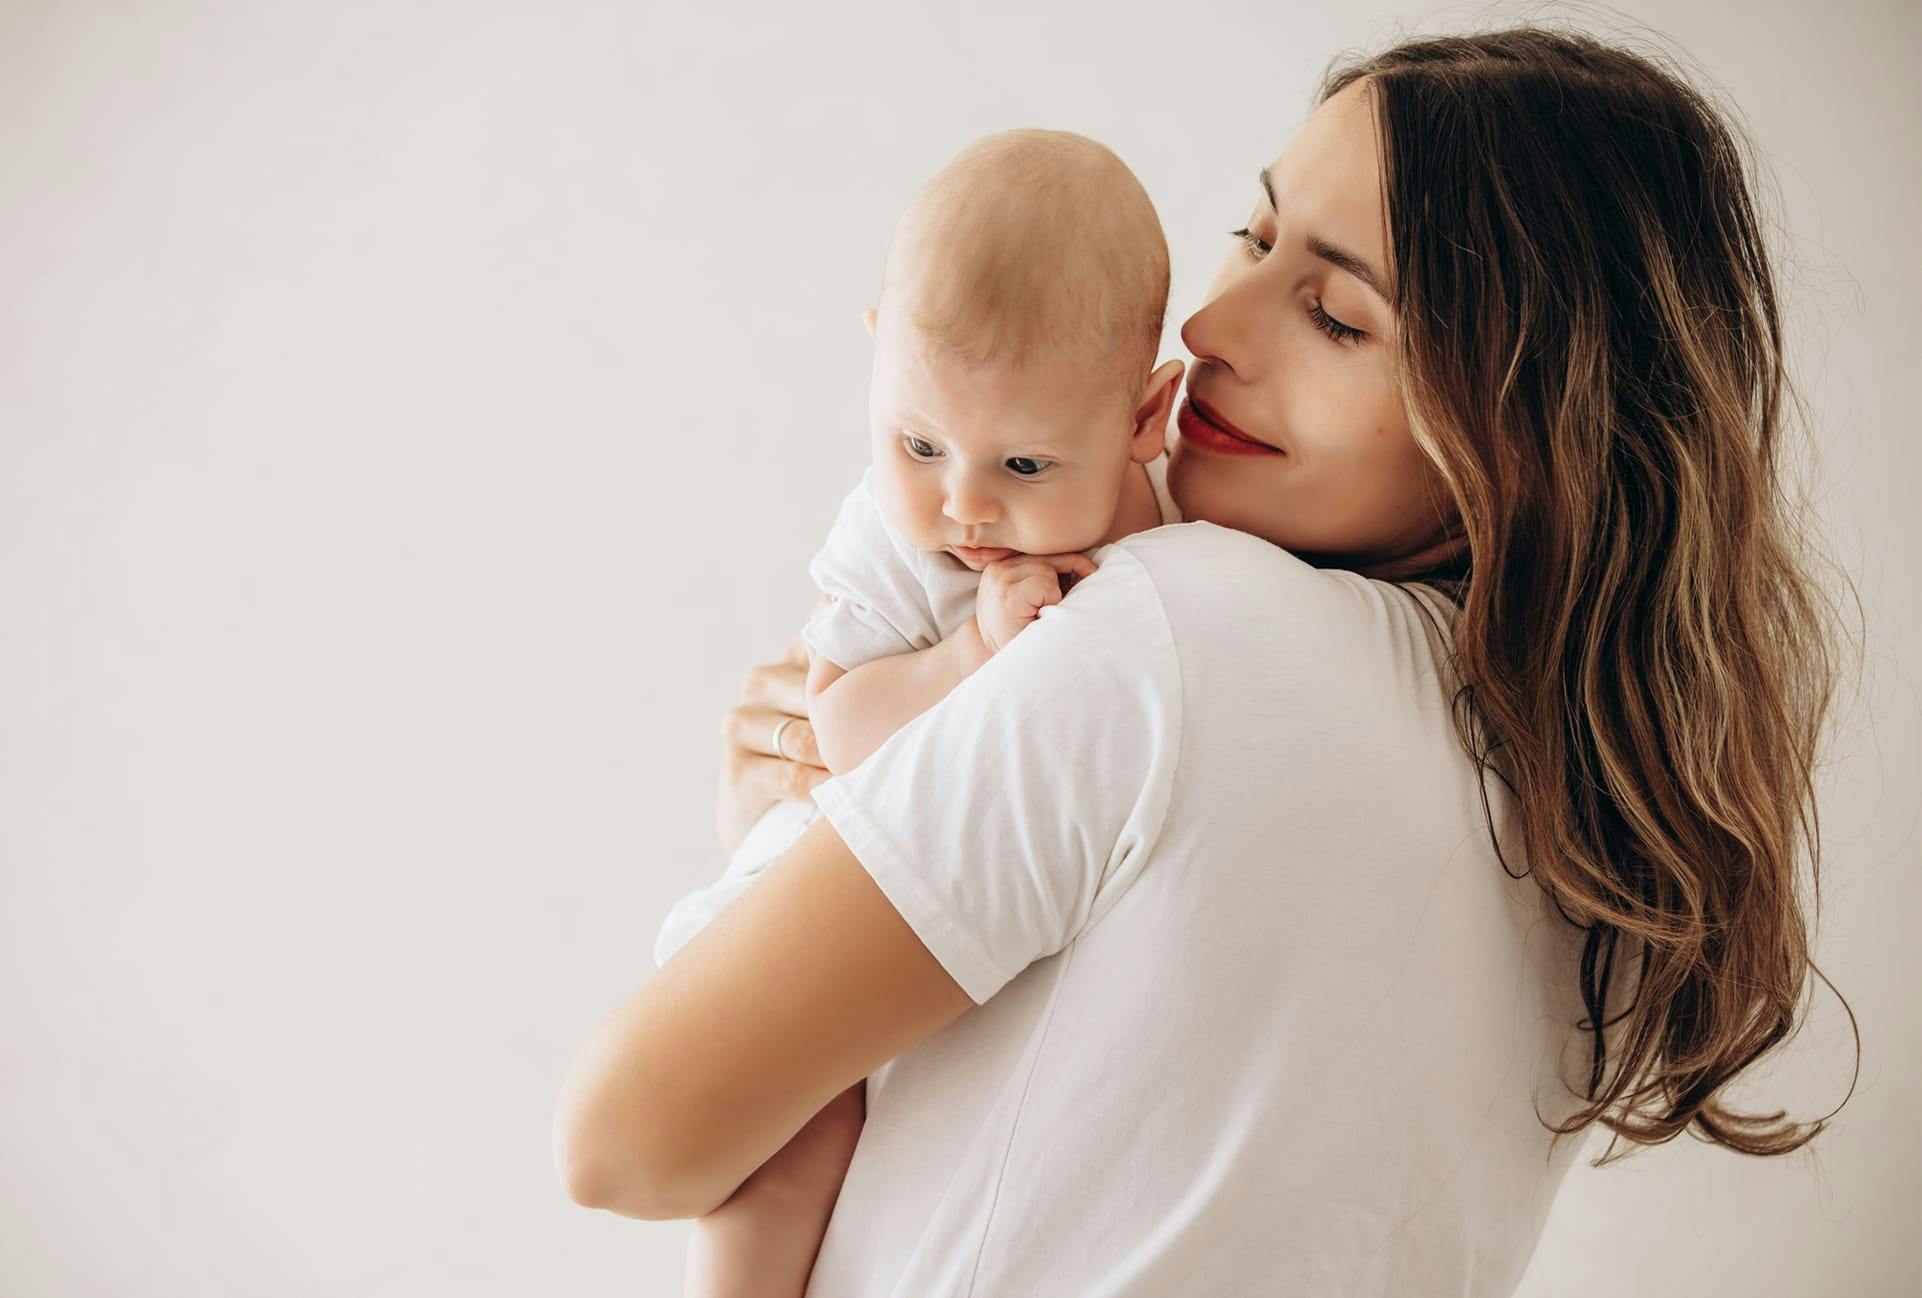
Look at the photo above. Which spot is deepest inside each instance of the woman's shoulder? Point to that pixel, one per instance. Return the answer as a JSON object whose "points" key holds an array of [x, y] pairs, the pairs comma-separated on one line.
{"points": [[1198, 549], [1207, 554], [1216, 582]]}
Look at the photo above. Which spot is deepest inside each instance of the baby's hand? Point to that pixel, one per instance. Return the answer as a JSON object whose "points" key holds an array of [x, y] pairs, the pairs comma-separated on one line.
{"points": [[1014, 590]]}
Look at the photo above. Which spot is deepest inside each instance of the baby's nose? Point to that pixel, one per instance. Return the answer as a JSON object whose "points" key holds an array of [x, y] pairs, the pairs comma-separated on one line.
{"points": [[969, 506]]}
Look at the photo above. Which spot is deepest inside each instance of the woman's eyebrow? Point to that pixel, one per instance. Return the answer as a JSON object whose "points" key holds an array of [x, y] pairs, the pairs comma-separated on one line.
{"points": [[1328, 252]]}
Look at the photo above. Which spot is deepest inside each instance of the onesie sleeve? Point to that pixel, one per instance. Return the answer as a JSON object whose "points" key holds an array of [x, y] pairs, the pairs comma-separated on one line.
{"points": [[881, 606], [1008, 818]]}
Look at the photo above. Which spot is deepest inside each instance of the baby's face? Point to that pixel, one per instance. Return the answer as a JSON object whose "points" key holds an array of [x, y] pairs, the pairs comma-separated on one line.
{"points": [[987, 461]]}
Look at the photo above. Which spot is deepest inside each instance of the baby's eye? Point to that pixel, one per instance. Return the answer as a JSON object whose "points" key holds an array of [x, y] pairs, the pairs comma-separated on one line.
{"points": [[919, 449], [1026, 466]]}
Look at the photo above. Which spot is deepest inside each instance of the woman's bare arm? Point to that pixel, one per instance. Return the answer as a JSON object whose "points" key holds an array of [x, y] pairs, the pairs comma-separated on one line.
{"points": [[711, 1066]]}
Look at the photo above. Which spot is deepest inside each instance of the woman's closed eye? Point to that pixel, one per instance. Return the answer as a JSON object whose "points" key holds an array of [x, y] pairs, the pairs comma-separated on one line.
{"points": [[1257, 246], [1334, 328], [1338, 330]]}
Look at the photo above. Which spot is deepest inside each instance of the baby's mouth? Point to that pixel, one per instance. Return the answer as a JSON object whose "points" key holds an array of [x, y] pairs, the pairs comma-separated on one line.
{"points": [[980, 554]]}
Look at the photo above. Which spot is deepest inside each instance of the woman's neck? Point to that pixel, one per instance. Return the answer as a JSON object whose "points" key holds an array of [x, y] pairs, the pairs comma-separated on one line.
{"points": [[1448, 554]]}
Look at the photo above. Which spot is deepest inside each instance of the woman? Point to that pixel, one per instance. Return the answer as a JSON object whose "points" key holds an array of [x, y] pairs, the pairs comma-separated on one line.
{"points": [[1287, 866]]}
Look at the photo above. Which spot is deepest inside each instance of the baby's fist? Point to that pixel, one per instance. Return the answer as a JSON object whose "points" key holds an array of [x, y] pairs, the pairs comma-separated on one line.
{"points": [[1015, 590]]}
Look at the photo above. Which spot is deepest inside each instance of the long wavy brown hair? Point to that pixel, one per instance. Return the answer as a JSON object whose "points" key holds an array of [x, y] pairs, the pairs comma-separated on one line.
{"points": [[1591, 351]]}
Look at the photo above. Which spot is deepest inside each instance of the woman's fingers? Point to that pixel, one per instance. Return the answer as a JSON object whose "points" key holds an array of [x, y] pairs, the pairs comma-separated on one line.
{"points": [[750, 783], [777, 687], [773, 779], [780, 687], [796, 651], [753, 776], [751, 729]]}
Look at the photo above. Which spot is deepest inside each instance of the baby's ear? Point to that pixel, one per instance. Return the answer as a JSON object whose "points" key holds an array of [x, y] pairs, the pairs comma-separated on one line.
{"points": [[867, 318], [1151, 416]]}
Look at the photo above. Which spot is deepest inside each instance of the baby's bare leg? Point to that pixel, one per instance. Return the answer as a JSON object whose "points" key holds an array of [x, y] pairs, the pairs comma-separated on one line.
{"points": [[762, 1242]]}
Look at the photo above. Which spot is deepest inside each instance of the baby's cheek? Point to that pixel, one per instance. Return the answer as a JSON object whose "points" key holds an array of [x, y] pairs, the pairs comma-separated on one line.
{"points": [[1096, 519], [1037, 533], [901, 505]]}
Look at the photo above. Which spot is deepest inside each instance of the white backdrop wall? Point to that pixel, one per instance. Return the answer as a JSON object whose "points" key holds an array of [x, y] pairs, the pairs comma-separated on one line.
{"points": [[414, 418]]}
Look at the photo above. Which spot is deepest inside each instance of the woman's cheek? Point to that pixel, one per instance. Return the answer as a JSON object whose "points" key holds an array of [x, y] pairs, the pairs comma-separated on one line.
{"points": [[1322, 420]]}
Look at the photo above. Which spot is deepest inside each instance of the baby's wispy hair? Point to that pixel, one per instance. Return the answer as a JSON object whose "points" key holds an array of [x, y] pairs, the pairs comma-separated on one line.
{"points": [[1033, 243]]}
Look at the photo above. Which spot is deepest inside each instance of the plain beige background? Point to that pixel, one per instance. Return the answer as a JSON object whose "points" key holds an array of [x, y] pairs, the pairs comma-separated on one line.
{"points": [[414, 418]]}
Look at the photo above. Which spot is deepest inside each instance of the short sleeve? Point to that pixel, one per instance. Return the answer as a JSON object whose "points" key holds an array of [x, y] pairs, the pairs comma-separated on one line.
{"points": [[1008, 818], [881, 605]]}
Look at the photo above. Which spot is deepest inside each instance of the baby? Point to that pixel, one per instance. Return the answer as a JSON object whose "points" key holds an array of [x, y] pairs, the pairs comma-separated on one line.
{"points": [[1016, 421]]}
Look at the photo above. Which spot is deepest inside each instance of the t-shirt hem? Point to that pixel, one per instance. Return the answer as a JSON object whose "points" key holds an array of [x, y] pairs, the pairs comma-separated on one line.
{"points": [[948, 941]]}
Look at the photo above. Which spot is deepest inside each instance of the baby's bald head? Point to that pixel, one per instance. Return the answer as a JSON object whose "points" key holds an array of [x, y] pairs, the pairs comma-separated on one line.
{"points": [[1032, 245]]}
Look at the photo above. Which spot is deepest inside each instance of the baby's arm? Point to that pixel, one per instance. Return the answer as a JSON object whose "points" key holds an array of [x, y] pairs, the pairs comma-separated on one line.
{"points": [[763, 1241], [854, 712]]}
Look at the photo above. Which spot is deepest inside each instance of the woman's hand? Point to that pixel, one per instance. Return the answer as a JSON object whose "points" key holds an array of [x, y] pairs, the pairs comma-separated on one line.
{"points": [[753, 776]]}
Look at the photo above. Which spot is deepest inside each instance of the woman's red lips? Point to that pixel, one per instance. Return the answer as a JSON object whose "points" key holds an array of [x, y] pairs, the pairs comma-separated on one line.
{"points": [[1202, 425]]}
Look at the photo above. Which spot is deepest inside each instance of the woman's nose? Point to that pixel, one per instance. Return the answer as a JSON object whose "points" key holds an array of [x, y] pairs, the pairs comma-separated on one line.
{"points": [[1225, 330]]}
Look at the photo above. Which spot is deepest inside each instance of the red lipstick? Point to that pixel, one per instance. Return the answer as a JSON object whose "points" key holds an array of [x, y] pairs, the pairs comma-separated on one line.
{"points": [[1204, 427]]}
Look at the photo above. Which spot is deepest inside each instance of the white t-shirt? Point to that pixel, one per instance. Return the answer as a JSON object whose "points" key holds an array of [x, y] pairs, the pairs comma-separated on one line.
{"points": [[1258, 1011]]}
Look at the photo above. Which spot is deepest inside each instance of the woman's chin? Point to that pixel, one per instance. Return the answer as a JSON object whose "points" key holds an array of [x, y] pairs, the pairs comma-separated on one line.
{"points": [[1240, 493]]}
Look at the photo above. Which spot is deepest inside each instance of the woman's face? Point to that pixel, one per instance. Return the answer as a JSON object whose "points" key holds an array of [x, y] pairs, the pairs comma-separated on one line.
{"points": [[1294, 351]]}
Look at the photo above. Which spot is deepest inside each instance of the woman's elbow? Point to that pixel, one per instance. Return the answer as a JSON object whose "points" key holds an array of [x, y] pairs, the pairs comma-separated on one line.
{"points": [[593, 1180], [600, 1167], [592, 1187]]}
